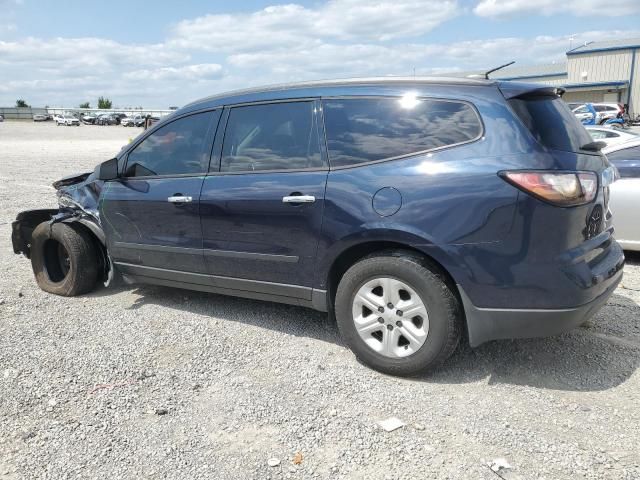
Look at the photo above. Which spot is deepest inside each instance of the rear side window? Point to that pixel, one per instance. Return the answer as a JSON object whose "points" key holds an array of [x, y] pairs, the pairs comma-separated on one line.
{"points": [[275, 136], [627, 161], [178, 148], [551, 122], [363, 130]]}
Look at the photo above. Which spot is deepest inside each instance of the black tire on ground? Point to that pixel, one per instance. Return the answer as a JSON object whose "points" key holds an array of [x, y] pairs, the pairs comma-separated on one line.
{"points": [[443, 308], [64, 259]]}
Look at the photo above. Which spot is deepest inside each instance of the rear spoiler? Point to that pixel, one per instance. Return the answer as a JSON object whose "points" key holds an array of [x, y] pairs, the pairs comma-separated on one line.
{"points": [[520, 90]]}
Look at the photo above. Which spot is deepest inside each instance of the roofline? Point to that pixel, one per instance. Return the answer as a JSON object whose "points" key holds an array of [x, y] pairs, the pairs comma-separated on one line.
{"points": [[575, 51], [364, 81], [525, 77]]}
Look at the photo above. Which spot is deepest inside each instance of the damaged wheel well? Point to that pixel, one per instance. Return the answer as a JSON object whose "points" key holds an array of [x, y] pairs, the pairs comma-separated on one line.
{"points": [[23, 227], [27, 221]]}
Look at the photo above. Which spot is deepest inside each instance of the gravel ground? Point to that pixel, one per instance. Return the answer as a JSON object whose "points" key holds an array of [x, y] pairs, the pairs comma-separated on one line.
{"points": [[150, 382]]}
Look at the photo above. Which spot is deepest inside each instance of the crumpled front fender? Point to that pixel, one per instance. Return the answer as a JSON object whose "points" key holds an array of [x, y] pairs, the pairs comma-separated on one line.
{"points": [[23, 226]]}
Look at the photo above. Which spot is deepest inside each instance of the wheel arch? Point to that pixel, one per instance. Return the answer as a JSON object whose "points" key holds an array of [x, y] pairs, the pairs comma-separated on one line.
{"points": [[363, 249]]}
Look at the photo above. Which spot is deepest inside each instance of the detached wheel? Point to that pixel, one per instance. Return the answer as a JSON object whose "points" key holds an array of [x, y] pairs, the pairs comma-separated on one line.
{"points": [[64, 259], [397, 315]]}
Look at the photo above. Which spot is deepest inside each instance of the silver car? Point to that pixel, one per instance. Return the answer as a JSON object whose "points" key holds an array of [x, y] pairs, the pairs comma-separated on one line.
{"points": [[611, 136], [625, 193]]}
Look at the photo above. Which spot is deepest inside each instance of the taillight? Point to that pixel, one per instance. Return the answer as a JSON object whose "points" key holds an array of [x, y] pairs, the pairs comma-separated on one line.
{"points": [[565, 189]]}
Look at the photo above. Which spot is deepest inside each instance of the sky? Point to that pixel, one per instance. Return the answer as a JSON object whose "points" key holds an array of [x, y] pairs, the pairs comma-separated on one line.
{"points": [[166, 53]]}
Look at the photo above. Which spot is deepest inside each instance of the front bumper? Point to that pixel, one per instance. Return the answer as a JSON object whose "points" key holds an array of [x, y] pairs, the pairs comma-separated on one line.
{"points": [[486, 324]]}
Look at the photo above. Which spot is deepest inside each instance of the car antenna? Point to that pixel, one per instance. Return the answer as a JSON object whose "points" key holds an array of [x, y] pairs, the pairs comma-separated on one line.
{"points": [[486, 74]]}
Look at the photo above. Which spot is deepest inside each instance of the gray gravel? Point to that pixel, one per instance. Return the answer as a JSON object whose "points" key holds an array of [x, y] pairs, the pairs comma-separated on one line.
{"points": [[149, 382]]}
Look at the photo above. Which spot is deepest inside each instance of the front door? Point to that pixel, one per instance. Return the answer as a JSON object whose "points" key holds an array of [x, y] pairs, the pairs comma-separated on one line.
{"points": [[151, 214], [262, 210]]}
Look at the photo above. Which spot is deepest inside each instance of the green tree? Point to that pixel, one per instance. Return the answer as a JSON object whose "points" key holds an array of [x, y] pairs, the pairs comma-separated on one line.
{"points": [[21, 103], [85, 105], [104, 102]]}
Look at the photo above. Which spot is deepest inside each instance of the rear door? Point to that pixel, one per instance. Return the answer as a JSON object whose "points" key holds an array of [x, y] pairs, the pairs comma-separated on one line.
{"points": [[151, 214], [262, 204]]}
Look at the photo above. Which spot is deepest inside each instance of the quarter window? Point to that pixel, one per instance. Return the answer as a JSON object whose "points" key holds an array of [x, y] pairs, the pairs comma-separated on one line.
{"points": [[275, 136], [178, 148], [363, 130]]}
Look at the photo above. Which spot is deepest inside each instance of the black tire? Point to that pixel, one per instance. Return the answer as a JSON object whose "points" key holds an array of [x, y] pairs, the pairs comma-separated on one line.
{"points": [[64, 259], [443, 308]]}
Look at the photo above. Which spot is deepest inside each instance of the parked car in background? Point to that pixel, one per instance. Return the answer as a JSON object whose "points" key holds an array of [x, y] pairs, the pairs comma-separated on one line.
{"points": [[133, 121], [118, 117], [611, 136], [38, 117], [66, 120], [597, 113], [1, 118], [586, 114], [88, 118], [625, 193], [106, 119], [401, 205]]}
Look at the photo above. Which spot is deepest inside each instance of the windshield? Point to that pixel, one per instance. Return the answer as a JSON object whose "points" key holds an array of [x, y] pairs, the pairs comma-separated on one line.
{"points": [[551, 122]]}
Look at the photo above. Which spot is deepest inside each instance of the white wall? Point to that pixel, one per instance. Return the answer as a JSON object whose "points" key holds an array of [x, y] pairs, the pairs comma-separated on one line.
{"points": [[599, 66]]}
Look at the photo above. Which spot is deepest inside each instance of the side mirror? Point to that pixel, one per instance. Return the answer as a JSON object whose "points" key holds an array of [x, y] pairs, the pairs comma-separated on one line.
{"points": [[108, 170]]}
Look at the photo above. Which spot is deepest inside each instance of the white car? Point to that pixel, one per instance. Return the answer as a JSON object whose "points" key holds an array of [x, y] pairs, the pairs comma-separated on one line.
{"points": [[134, 121], [38, 117], [611, 136], [604, 111], [625, 193], [66, 120]]}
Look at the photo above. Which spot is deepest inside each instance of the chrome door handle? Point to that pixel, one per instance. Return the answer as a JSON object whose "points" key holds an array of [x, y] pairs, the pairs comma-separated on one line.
{"points": [[179, 199], [299, 199]]}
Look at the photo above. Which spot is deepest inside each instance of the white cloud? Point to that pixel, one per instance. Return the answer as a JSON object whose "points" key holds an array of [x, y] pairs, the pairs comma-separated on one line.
{"points": [[325, 60], [85, 53], [506, 8], [281, 43], [287, 25], [207, 71]]}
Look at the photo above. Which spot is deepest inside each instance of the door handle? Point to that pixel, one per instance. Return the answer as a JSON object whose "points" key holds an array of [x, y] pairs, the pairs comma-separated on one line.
{"points": [[299, 199], [179, 199]]}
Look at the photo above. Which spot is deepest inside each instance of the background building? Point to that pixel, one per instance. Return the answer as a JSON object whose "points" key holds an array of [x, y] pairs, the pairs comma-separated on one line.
{"points": [[595, 72]]}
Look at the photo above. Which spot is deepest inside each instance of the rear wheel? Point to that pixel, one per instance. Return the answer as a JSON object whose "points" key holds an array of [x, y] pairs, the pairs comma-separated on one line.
{"points": [[64, 259], [397, 314]]}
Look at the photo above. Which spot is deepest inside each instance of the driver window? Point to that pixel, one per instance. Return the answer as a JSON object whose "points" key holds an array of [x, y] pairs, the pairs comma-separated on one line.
{"points": [[175, 149]]}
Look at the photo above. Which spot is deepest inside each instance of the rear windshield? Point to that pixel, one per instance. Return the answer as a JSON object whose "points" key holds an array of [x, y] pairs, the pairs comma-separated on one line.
{"points": [[551, 122]]}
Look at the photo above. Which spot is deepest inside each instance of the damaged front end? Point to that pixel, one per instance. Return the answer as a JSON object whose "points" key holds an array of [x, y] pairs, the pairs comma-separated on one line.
{"points": [[78, 200]]}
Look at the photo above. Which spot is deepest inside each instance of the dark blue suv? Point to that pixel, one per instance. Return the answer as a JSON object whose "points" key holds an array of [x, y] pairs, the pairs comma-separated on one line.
{"points": [[414, 210]]}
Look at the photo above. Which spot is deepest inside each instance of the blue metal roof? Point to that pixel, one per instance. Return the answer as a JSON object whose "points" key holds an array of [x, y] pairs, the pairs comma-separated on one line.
{"points": [[616, 83], [606, 46]]}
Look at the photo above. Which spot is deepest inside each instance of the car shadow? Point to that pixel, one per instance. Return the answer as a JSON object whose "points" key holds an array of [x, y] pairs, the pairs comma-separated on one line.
{"points": [[597, 356], [632, 258]]}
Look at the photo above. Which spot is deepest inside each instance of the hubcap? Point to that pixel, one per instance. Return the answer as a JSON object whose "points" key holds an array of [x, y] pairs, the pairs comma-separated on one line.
{"points": [[390, 317]]}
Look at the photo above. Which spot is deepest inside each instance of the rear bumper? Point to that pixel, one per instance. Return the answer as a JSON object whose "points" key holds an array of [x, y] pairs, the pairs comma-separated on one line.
{"points": [[486, 324]]}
